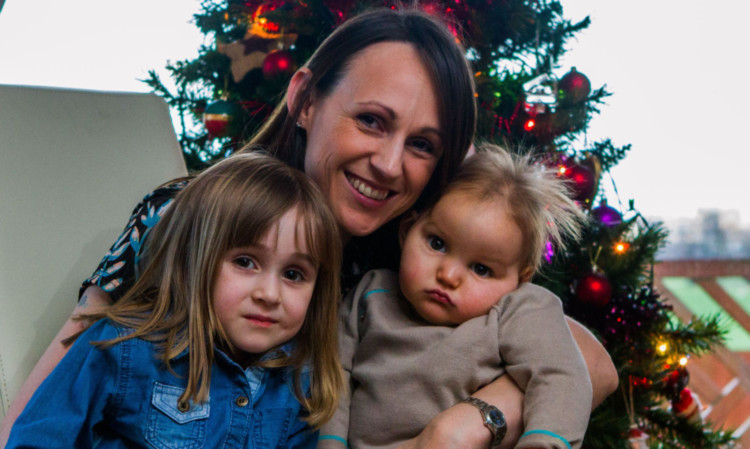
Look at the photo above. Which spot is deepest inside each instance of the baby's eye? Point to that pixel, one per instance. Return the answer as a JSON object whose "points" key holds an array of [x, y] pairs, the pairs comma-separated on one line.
{"points": [[244, 262], [436, 243], [294, 275], [481, 270]]}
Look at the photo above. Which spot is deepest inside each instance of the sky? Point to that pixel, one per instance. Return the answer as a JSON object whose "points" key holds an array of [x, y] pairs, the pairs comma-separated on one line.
{"points": [[675, 67]]}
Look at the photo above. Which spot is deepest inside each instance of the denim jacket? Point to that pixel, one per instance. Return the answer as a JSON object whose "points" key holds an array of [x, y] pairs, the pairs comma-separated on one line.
{"points": [[123, 396]]}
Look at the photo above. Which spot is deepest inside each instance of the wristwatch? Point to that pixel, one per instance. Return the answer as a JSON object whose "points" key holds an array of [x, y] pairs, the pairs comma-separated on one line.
{"points": [[493, 420]]}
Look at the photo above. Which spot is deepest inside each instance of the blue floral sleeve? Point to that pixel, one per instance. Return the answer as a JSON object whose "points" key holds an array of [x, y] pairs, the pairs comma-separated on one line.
{"points": [[118, 269]]}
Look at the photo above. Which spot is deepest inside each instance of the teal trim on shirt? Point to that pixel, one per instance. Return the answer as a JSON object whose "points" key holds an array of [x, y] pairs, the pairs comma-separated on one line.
{"points": [[377, 290], [548, 433], [333, 437]]}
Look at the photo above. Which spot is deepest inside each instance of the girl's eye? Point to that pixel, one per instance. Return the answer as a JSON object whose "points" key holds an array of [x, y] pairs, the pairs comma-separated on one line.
{"points": [[294, 275], [436, 243], [244, 262], [481, 270]]}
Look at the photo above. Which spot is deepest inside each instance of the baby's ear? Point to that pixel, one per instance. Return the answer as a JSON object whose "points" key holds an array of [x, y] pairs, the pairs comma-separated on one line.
{"points": [[407, 221], [526, 274]]}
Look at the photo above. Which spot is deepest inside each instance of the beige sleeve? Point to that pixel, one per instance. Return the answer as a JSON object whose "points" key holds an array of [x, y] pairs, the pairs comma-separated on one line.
{"points": [[544, 360], [335, 433]]}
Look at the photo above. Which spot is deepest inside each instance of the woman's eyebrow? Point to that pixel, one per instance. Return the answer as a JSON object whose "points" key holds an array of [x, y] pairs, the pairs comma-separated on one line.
{"points": [[388, 110]]}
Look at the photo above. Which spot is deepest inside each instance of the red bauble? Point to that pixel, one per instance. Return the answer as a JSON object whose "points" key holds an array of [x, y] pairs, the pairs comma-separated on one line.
{"points": [[595, 289], [278, 63], [584, 182], [221, 118], [676, 381], [574, 87]]}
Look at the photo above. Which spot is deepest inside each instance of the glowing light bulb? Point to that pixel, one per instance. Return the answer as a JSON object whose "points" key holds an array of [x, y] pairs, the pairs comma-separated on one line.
{"points": [[683, 361], [621, 247], [662, 348], [529, 125]]}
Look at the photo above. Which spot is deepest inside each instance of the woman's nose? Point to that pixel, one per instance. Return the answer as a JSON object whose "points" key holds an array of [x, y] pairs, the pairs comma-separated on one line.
{"points": [[388, 160]]}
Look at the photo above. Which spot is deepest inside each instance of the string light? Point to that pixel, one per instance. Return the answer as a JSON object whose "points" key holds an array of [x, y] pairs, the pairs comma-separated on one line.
{"points": [[683, 361], [621, 247], [662, 348], [529, 125]]}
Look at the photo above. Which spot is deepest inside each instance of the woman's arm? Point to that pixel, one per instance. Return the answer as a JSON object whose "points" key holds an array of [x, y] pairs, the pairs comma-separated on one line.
{"points": [[92, 300], [602, 371], [461, 425]]}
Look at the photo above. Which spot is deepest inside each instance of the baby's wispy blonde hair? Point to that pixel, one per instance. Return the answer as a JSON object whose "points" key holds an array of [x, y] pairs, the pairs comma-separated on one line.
{"points": [[538, 199]]}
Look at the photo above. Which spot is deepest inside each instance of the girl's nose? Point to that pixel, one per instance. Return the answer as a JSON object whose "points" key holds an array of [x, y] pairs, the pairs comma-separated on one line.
{"points": [[267, 289]]}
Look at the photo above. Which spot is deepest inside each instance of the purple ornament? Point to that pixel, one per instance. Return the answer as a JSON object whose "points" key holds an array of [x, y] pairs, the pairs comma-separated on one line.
{"points": [[607, 215], [549, 251]]}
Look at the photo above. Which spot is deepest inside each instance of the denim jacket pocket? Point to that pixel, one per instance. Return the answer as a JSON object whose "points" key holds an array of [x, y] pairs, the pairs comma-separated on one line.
{"points": [[171, 428], [271, 427]]}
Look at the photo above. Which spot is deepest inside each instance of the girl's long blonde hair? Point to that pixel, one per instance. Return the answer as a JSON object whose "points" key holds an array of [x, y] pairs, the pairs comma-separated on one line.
{"points": [[231, 204]]}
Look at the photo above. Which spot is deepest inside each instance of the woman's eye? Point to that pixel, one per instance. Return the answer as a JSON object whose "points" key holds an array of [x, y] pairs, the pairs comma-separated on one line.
{"points": [[423, 146], [481, 270], [244, 262], [368, 120], [436, 243], [294, 275]]}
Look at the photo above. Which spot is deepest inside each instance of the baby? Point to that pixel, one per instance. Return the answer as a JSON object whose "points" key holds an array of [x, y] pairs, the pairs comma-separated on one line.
{"points": [[461, 312]]}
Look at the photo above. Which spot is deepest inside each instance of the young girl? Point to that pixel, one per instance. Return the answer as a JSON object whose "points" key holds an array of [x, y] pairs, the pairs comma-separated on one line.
{"points": [[227, 339]]}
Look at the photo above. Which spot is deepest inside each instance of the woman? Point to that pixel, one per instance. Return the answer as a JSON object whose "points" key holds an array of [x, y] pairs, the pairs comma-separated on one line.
{"points": [[380, 117]]}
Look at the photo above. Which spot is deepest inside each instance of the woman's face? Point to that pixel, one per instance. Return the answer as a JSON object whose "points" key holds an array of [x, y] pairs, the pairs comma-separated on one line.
{"points": [[374, 141]]}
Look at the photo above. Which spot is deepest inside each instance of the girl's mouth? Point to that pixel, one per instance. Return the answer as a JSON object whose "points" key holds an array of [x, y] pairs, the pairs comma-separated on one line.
{"points": [[260, 320], [366, 189]]}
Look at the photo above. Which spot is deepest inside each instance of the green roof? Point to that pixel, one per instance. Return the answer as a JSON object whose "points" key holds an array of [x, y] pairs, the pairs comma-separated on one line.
{"points": [[700, 303]]}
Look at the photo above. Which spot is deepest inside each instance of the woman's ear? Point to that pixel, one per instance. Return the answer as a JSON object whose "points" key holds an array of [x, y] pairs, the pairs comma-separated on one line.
{"points": [[294, 94], [407, 221]]}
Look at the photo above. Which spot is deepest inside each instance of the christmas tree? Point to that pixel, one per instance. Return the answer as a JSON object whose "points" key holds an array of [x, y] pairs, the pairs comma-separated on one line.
{"points": [[606, 282]]}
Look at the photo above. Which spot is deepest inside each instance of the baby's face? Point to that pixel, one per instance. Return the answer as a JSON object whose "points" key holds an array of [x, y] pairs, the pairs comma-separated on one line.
{"points": [[460, 258]]}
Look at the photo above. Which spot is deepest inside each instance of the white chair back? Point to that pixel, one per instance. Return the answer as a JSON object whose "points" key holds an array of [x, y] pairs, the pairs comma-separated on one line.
{"points": [[73, 164]]}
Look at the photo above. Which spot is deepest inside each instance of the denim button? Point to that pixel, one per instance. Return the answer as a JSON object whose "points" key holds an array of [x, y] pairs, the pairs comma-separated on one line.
{"points": [[242, 401]]}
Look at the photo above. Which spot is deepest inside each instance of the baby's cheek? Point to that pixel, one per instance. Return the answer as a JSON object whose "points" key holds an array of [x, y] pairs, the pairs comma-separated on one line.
{"points": [[411, 275]]}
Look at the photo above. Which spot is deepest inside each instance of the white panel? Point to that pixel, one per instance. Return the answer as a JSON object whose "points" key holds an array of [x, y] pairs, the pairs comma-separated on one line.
{"points": [[73, 164]]}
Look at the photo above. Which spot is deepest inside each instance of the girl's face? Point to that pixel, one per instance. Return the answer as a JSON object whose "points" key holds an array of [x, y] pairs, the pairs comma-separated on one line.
{"points": [[262, 291], [374, 141]]}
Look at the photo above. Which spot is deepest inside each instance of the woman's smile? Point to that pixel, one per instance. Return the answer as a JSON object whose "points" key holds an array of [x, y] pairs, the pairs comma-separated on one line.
{"points": [[366, 189]]}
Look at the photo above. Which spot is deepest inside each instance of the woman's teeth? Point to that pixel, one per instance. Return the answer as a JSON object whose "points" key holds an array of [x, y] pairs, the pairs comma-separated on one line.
{"points": [[366, 190]]}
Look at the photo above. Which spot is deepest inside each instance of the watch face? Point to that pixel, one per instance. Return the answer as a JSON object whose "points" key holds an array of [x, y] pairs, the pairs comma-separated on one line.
{"points": [[497, 417]]}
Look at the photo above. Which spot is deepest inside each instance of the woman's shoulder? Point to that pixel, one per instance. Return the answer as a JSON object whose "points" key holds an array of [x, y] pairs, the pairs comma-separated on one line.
{"points": [[168, 190]]}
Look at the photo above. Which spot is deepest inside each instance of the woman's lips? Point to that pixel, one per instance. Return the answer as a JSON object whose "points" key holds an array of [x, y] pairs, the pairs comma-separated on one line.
{"points": [[367, 189], [440, 296]]}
